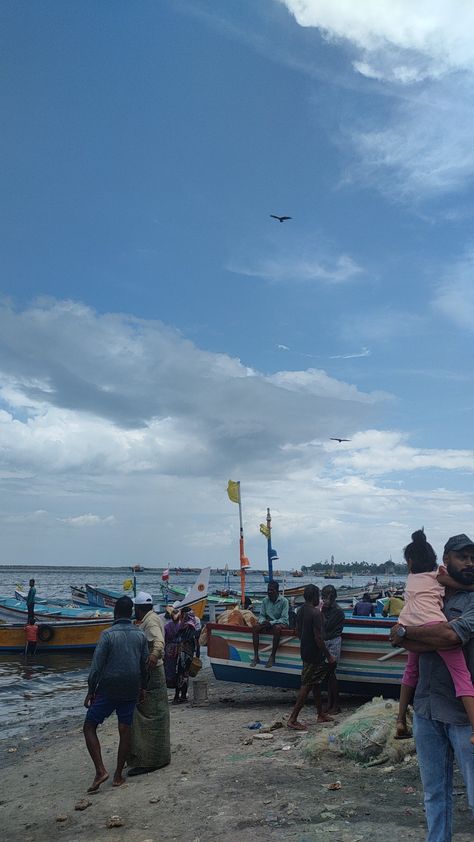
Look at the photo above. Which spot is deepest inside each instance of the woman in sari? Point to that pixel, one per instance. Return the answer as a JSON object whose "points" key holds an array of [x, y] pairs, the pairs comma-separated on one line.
{"points": [[187, 641]]}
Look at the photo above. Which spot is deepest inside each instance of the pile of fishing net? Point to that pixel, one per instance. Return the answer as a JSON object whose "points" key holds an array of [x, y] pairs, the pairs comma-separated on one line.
{"points": [[367, 736]]}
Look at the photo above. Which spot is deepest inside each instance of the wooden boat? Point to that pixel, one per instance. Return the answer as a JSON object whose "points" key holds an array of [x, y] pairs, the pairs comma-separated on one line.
{"points": [[16, 609], [62, 635], [79, 595], [363, 669], [84, 634], [104, 597]]}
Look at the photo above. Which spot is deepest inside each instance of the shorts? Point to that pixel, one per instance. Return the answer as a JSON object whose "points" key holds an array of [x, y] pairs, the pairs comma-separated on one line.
{"points": [[102, 707], [314, 673], [334, 647]]}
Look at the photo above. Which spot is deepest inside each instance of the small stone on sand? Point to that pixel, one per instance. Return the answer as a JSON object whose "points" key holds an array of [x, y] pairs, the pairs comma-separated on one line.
{"points": [[61, 818]]}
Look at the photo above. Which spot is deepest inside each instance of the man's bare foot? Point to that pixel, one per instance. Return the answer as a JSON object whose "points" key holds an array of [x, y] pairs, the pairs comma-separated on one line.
{"points": [[98, 780], [270, 663], [324, 717], [296, 726], [254, 662], [118, 780]]}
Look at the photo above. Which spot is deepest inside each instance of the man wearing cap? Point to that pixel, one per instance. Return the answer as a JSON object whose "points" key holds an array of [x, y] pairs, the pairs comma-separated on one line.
{"points": [[151, 723], [117, 678], [441, 726]]}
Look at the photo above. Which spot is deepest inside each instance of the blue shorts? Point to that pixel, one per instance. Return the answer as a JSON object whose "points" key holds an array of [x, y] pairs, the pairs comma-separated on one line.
{"points": [[102, 707]]}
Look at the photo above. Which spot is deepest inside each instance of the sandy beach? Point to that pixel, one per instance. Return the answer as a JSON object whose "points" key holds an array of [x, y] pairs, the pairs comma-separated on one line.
{"points": [[222, 783]]}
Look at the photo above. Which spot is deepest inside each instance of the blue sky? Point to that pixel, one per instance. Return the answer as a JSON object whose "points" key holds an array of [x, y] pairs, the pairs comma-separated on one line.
{"points": [[160, 333]]}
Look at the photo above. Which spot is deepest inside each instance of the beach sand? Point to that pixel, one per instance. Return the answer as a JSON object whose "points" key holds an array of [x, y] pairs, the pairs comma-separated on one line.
{"points": [[216, 787]]}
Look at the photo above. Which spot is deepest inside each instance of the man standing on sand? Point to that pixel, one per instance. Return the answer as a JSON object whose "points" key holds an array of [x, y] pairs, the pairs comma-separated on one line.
{"points": [[151, 720], [30, 602], [317, 660], [117, 679], [273, 618], [441, 726]]}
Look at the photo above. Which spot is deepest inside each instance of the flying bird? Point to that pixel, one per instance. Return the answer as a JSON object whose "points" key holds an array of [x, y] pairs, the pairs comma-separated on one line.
{"points": [[339, 440], [280, 218]]}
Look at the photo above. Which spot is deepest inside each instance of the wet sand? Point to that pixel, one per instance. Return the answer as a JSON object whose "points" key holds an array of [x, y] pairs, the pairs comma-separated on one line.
{"points": [[217, 787]]}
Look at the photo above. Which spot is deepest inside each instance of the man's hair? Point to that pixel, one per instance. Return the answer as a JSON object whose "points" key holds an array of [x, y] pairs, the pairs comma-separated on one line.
{"points": [[311, 593], [123, 607], [366, 597], [32, 581], [420, 553]]}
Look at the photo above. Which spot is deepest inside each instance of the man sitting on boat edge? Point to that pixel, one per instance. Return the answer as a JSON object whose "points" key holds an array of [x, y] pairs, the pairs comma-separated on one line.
{"points": [[273, 618]]}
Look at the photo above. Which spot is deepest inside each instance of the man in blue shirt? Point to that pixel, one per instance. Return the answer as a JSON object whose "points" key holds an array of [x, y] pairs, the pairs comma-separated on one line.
{"points": [[117, 679], [273, 617]]}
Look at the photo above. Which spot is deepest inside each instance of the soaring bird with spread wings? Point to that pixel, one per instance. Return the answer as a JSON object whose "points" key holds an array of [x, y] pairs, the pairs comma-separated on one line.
{"points": [[280, 218], [339, 440]]}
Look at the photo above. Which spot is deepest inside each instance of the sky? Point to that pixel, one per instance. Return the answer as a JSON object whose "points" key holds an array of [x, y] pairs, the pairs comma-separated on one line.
{"points": [[161, 334]]}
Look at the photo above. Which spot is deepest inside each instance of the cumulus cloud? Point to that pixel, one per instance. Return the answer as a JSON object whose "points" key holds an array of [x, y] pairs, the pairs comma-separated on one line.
{"points": [[375, 452], [100, 394], [397, 39], [155, 428], [423, 54]]}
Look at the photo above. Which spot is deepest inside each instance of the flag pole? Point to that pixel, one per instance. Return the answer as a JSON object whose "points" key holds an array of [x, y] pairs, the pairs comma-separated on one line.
{"points": [[241, 551], [269, 546]]}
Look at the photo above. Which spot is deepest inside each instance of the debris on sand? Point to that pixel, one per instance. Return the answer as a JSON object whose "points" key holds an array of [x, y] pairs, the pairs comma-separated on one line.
{"points": [[114, 821], [368, 736], [83, 804]]}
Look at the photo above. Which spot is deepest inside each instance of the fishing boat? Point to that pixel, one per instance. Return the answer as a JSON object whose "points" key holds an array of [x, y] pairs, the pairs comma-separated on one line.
{"points": [[57, 635], [83, 634], [79, 595], [219, 602], [368, 666], [16, 609], [103, 597]]}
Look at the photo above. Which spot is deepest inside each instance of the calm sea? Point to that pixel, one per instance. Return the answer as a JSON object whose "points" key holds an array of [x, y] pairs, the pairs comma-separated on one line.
{"points": [[52, 686]]}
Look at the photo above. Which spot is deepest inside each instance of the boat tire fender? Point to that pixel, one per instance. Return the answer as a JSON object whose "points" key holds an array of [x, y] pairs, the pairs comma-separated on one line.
{"points": [[45, 633]]}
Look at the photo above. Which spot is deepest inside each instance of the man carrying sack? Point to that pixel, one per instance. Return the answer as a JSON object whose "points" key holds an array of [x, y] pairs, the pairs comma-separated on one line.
{"points": [[151, 721]]}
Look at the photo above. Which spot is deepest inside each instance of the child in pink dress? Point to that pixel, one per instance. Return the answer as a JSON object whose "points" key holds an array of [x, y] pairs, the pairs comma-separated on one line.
{"points": [[424, 606]]}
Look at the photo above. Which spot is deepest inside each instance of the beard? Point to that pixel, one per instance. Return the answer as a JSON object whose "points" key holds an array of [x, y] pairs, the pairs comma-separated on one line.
{"points": [[464, 577]]}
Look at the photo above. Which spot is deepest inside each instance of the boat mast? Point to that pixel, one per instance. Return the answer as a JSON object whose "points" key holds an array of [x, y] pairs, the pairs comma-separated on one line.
{"points": [[269, 546]]}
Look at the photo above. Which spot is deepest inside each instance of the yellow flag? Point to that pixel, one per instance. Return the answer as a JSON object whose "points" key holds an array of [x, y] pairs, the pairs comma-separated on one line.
{"points": [[265, 530], [127, 585], [233, 490]]}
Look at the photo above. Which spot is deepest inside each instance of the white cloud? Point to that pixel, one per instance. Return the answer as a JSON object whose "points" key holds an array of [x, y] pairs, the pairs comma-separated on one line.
{"points": [[374, 452], [88, 520], [454, 297], [123, 431], [397, 39], [356, 355], [327, 270]]}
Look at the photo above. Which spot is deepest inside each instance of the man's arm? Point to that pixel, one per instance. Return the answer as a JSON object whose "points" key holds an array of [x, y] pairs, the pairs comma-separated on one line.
{"points": [[318, 637], [435, 636], [157, 644], [98, 663]]}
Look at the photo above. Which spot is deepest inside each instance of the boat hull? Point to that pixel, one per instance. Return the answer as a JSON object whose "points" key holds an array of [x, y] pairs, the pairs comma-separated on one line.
{"points": [[66, 636], [360, 670]]}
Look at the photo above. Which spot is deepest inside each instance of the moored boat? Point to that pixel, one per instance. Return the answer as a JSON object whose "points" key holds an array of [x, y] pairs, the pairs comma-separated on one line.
{"points": [[57, 636], [16, 609], [368, 666]]}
